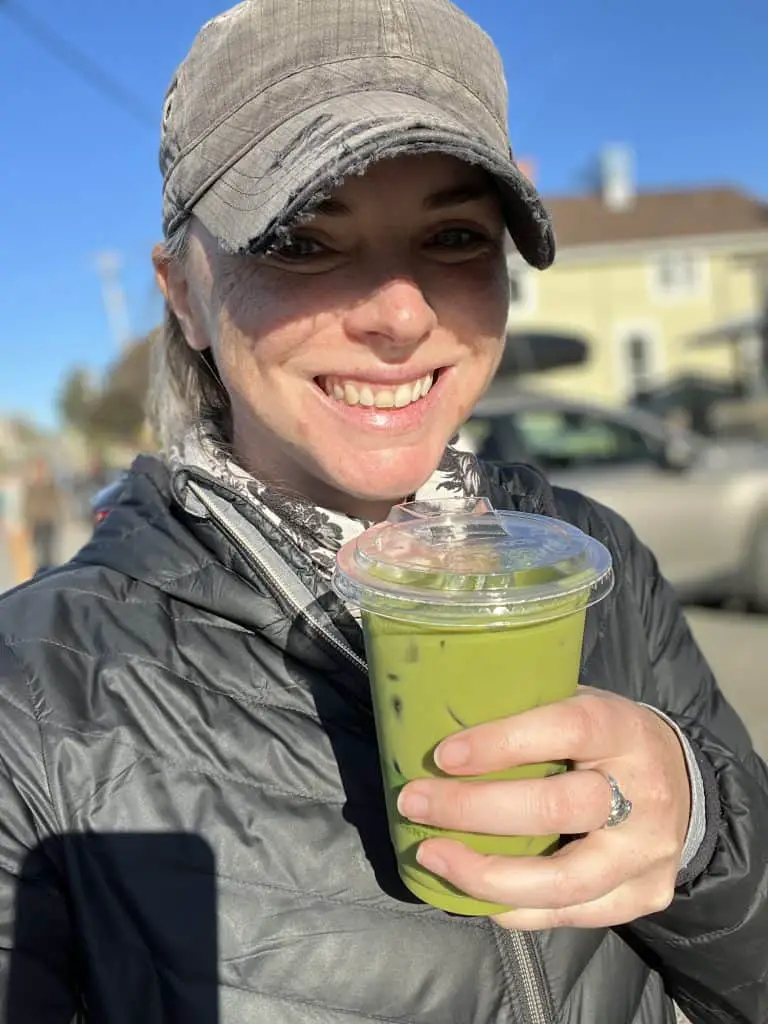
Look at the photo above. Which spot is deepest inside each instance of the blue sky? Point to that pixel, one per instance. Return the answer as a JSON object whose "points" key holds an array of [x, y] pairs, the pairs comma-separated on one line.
{"points": [[684, 82]]}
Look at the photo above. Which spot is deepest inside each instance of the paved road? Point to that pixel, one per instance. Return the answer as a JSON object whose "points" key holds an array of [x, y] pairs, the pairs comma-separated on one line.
{"points": [[737, 649]]}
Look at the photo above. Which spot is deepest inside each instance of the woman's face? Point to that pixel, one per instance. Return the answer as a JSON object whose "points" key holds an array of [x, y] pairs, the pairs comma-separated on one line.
{"points": [[354, 349]]}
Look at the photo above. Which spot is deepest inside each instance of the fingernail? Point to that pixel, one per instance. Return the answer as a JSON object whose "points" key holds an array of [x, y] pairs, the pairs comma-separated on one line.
{"points": [[431, 861], [413, 805], [452, 754]]}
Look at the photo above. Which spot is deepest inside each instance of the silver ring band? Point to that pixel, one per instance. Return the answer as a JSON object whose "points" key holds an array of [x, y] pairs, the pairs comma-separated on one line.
{"points": [[621, 808]]}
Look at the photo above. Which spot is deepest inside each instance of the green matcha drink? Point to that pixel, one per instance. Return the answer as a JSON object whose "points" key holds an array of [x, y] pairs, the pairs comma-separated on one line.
{"points": [[469, 615]]}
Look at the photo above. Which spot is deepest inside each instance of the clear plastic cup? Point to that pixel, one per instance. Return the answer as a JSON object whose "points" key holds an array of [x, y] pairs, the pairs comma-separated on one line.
{"points": [[469, 615]]}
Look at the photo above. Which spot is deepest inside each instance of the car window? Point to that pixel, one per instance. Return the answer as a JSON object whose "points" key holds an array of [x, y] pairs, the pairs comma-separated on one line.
{"points": [[562, 439], [494, 438]]}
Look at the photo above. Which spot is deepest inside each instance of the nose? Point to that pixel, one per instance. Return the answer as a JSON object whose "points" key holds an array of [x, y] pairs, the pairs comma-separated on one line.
{"points": [[397, 312]]}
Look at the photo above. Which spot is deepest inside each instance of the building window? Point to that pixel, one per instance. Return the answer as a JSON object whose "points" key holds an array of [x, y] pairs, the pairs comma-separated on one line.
{"points": [[678, 275], [522, 295], [640, 361]]}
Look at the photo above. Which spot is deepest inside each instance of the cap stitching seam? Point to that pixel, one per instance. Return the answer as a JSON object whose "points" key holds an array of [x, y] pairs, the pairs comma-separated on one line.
{"points": [[297, 71], [211, 180], [299, 165]]}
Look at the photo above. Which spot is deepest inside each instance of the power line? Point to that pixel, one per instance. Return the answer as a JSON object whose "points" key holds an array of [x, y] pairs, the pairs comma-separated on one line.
{"points": [[79, 63]]}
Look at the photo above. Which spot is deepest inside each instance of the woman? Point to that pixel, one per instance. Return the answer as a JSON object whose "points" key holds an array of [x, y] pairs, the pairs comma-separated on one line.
{"points": [[192, 820]]}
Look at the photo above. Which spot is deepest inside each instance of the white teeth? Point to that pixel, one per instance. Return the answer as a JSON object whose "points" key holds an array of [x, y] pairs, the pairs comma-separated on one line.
{"points": [[382, 398], [403, 396]]}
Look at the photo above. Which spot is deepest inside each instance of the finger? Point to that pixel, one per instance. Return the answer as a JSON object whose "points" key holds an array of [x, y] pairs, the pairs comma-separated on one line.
{"points": [[569, 803], [629, 902], [585, 870], [589, 726]]}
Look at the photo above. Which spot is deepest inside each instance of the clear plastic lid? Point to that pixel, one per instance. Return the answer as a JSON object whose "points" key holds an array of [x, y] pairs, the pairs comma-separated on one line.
{"points": [[459, 562]]}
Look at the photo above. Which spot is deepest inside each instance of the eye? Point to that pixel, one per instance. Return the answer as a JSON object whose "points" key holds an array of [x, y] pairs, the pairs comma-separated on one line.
{"points": [[457, 237], [297, 249], [459, 242]]}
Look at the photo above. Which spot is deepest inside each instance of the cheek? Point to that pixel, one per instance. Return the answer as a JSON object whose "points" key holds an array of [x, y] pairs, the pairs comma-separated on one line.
{"points": [[247, 308], [495, 299], [276, 315], [303, 429], [473, 302], [257, 330]]}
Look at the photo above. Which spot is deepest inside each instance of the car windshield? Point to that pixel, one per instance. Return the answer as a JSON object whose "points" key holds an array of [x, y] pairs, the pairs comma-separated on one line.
{"points": [[560, 438]]}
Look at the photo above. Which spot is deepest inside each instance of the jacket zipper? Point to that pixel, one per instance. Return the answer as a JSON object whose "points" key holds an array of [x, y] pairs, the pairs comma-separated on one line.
{"points": [[523, 958], [275, 583], [530, 976]]}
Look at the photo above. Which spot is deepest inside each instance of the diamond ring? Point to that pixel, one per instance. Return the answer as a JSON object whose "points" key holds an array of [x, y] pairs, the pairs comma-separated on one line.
{"points": [[621, 808]]}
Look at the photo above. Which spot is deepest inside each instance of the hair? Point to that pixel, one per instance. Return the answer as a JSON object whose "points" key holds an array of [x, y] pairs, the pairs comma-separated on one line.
{"points": [[185, 388]]}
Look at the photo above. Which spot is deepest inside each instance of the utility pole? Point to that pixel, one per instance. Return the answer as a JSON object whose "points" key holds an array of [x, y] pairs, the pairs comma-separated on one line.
{"points": [[109, 265]]}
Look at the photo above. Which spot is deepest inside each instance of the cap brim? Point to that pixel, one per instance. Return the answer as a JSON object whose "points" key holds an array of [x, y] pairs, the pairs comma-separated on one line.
{"points": [[306, 157]]}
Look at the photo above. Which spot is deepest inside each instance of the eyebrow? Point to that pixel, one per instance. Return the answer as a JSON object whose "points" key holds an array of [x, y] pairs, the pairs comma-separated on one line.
{"points": [[457, 195]]}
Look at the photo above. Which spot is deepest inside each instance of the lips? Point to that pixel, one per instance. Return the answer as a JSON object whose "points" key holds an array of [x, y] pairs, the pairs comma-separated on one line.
{"points": [[352, 392], [392, 421]]}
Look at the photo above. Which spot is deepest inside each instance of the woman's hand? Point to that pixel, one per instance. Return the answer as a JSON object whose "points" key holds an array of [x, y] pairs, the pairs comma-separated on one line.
{"points": [[608, 877]]}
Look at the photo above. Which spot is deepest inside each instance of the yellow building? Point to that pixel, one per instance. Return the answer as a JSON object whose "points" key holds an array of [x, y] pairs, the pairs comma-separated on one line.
{"points": [[639, 276]]}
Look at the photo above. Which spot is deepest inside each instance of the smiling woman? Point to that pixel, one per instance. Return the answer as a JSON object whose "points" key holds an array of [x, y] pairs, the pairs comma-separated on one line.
{"points": [[193, 827], [354, 347]]}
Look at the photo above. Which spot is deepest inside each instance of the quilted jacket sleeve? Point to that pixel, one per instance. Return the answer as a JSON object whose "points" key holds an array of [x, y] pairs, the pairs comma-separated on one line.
{"points": [[36, 950], [712, 942]]}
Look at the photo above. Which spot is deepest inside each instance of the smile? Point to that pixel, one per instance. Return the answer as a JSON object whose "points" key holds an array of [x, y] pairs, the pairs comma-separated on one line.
{"points": [[368, 394]]}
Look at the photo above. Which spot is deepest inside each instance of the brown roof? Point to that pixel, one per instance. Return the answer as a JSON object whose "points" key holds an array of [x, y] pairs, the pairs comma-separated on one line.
{"points": [[586, 220]]}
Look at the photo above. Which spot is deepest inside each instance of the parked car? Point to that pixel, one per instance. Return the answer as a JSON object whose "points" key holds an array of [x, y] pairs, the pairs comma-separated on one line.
{"points": [[700, 504]]}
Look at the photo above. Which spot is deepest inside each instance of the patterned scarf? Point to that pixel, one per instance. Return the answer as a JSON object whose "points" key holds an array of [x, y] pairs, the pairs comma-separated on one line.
{"points": [[317, 532]]}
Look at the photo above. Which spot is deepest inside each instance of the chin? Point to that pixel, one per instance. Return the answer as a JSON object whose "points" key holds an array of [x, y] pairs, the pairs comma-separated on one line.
{"points": [[386, 476]]}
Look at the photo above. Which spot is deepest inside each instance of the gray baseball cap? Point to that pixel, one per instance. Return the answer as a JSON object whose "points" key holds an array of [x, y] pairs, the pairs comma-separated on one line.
{"points": [[279, 100]]}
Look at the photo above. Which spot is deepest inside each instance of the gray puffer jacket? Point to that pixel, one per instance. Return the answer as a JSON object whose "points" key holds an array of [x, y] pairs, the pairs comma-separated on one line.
{"points": [[191, 819]]}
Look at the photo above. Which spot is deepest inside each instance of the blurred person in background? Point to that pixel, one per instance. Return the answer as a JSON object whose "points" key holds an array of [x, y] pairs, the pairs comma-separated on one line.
{"points": [[43, 510], [192, 820], [87, 485]]}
